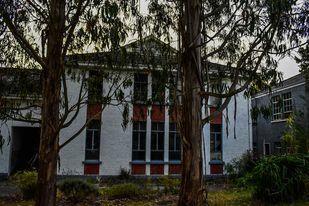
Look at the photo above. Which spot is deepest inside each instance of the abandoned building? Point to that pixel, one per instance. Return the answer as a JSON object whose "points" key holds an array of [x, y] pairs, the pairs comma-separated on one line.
{"points": [[146, 144], [289, 98]]}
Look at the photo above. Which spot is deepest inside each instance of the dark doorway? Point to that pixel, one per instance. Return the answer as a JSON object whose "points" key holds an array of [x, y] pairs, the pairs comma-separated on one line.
{"points": [[25, 147]]}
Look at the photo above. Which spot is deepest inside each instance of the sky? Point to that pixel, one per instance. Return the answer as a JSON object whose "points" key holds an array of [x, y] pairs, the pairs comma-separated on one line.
{"points": [[286, 65]]}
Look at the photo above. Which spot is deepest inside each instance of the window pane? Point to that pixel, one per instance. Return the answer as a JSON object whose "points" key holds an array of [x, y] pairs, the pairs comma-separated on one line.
{"points": [[153, 141], [161, 126], [138, 155], [154, 126], [96, 140], [178, 142], [135, 126], [88, 139], [157, 155], [135, 141], [92, 154], [142, 140], [143, 126], [161, 141], [171, 141]]}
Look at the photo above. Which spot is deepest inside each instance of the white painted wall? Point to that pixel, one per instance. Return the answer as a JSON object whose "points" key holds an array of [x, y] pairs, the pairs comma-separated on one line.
{"points": [[73, 154], [232, 147]]}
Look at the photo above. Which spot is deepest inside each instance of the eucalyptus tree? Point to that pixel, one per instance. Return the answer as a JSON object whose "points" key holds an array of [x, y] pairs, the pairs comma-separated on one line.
{"points": [[40, 34], [245, 36]]}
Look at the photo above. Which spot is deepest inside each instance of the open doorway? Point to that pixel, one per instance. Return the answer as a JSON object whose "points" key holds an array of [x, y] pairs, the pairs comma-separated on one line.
{"points": [[25, 147]]}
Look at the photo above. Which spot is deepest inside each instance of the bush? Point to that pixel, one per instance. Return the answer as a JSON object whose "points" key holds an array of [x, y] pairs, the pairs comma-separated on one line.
{"points": [[241, 166], [127, 190], [170, 185], [26, 181], [280, 178], [76, 189], [124, 174]]}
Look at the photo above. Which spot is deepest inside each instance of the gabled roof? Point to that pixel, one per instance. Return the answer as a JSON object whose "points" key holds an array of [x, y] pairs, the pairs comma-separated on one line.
{"points": [[147, 52]]}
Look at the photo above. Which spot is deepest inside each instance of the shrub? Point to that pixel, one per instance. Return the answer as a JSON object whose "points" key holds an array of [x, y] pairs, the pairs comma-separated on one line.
{"points": [[241, 166], [76, 189], [26, 181], [124, 174], [280, 178], [127, 190], [170, 185]]}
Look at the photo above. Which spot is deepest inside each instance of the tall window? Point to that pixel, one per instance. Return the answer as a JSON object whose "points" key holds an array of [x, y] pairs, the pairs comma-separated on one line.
{"points": [[174, 143], [93, 140], [157, 141], [282, 106], [215, 142], [140, 87], [139, 141], [287, 104], [276, 107]]}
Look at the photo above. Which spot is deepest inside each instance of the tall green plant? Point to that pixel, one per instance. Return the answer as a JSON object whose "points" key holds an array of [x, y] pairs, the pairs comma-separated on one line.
{"points": [[296, 137], [280, 178]]}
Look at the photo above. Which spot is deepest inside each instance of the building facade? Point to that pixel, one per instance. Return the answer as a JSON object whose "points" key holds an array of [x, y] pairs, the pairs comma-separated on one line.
{"points": [[290, 97], [148, 145]]}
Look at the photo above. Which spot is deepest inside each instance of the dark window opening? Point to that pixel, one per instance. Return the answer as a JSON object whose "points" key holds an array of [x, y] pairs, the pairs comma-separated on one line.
{"points": [[267, 149], [140, 87], [139, 141], [157, 141], [215, 142], [174, 143], [93, 140]]}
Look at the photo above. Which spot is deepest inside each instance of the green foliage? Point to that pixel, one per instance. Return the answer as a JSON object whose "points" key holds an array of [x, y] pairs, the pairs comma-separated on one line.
{"points": [[170, 185], [124, 174], [26, 181], [296, 137], [127, 190], [76, 189], [280, 178], [240, 167]]}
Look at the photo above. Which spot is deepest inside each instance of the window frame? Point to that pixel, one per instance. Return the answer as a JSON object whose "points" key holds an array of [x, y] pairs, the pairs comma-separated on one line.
{"points": [[174, 134], [94, 126], [215, 135], [140, 88], [156, 132], [139, 131], [287, 107], [276, 108]]}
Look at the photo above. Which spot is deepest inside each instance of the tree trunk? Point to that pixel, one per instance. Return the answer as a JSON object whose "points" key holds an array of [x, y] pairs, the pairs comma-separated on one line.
{"points": [[192, 174], [49, 141]]}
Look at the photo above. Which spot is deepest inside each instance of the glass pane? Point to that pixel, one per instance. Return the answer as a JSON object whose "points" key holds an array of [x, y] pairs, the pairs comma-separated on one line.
{"points": [[161, 141], [215, 127], [172, 126], [96, 140], [157, 155], [153, 141], [142, 140], [161, 126], [135, 126], [178, 142], [154, 126], [88, 139], [143, 126], [171, 141], [135, 141], [175, 155], [92, 154], [138, 155]]}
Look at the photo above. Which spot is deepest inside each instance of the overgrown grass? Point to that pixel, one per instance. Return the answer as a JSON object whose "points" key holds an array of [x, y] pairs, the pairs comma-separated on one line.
{"points": [[232, 197]]}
